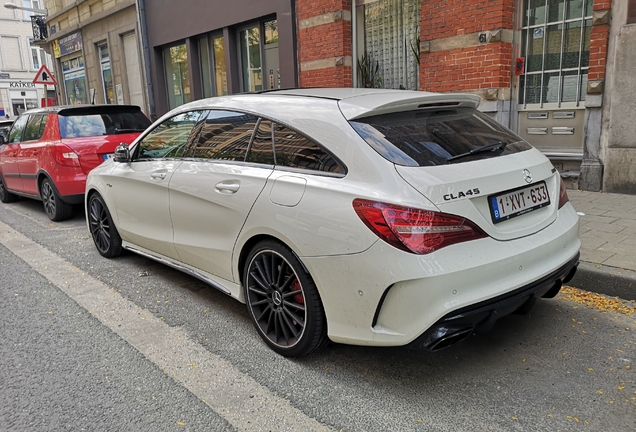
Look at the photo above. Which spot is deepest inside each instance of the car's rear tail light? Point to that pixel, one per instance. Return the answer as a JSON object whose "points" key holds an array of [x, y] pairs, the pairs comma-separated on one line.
{"points": [[414, 230], [65, 156], [563, 195]]}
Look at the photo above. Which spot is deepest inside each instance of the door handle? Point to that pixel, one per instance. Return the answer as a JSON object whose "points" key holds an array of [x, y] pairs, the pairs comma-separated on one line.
{"points": [[158, 175], [227, 187]]}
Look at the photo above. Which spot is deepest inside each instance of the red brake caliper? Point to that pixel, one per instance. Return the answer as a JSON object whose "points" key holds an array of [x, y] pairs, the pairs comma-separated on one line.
{"points": [[298, 298]]}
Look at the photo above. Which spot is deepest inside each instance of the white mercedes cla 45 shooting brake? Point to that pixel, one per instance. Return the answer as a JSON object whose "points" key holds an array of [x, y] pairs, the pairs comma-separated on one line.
{"points": [[360, 216]]}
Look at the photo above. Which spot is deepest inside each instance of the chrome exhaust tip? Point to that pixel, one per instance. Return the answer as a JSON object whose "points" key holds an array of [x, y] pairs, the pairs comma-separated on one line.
{"points": [[449, 339]]}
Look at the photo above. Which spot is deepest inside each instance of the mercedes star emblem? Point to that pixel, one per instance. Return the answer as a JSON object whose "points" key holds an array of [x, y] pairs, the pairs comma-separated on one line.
{"points": [[527, 176]]}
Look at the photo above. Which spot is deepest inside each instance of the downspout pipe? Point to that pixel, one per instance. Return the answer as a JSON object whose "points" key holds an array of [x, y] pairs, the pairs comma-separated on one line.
{"points": [[141, 15]]}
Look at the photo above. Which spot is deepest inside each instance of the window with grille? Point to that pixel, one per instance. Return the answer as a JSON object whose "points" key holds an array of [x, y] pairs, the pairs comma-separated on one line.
{"points": [[555, 42]]}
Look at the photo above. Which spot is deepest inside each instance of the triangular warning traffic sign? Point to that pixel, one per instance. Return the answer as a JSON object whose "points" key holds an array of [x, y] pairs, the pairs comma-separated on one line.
{"points": [[44, 76]]}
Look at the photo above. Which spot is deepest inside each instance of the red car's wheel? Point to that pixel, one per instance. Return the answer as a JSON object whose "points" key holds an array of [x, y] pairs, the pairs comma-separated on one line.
{"points": [[56, 209], [5, 195]]}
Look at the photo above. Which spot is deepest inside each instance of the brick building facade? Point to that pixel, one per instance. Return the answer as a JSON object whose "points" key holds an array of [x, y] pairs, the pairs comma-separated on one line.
{"points": [[542, 67]]}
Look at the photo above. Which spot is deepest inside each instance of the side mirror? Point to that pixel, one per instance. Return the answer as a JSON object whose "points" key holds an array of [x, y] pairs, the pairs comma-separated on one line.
{"points": [[122, 153]]}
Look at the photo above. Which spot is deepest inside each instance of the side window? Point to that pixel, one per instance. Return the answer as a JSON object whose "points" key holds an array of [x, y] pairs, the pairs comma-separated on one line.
{"points": [[297, 151], [33, 129], [262, 148], [17, 129], [225, 135], [169, 139]]}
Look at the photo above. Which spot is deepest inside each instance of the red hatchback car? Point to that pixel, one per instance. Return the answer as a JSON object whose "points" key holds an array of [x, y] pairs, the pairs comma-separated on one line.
{"points": [[50, 151]]}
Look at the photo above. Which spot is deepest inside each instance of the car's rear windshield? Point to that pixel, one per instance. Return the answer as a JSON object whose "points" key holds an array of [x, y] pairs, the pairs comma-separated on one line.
{"points": [[437, 137], [77, 124]]}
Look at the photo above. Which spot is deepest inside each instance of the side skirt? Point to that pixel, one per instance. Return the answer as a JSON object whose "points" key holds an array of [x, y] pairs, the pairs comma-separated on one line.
{"points": [[205, 277]]}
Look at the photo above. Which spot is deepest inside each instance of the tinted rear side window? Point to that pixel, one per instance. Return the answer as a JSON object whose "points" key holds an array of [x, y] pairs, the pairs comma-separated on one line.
{"points": [[437, 137], [262, 148], [295, 150], [225, 135], [98, 124]]}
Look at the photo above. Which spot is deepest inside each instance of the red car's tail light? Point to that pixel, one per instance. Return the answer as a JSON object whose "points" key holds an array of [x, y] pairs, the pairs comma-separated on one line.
{"points": [[563, 195], [65, 156], [414, 230]]}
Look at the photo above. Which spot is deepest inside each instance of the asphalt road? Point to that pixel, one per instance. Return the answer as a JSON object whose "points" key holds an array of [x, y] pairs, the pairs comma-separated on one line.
{"points": [[128, 344]]}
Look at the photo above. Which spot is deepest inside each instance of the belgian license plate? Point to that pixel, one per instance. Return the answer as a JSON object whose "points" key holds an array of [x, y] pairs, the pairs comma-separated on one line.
{"points": [[518, 202]]}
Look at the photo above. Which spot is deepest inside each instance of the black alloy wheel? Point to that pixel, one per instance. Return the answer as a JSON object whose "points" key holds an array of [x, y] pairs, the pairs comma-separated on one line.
{"points": [[56, 209], [283, 301], [5, 195], [105, 235]]}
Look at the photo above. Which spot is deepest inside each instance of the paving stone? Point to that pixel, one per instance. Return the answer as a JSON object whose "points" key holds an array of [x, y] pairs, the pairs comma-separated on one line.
{"points": [[588, 210], [629, 231], [606, 228], [620, 249], [626, 222], [599, 219], [622, 261], [629, 241], [595, 255], [593, 239], [629, 215]]}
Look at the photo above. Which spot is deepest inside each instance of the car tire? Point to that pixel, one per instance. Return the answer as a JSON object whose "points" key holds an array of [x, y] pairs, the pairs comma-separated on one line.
{"points": [[5, 195], [291, 324], [56, 209], [103, 231]]}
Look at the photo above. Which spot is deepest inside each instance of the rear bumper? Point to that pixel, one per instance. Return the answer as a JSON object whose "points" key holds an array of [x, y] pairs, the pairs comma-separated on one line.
{"points": [[459, 324], [387, 297]]}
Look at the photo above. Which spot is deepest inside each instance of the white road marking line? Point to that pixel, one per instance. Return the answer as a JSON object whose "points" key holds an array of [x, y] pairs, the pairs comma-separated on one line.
{"points": [[233, 395]]}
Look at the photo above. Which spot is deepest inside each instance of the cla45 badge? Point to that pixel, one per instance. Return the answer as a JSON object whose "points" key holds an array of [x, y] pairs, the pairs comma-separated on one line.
{"points": [[461, 194]]}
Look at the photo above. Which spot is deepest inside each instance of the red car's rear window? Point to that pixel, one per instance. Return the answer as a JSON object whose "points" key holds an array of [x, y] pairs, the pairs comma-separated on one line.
{"points": [[88, 124]]}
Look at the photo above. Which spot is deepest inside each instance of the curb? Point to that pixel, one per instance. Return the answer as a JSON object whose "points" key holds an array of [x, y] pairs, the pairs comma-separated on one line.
{"points": [[611, 281]]}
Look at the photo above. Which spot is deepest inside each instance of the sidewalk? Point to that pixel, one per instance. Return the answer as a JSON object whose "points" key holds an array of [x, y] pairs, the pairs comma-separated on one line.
{"points": [[608, 243]]}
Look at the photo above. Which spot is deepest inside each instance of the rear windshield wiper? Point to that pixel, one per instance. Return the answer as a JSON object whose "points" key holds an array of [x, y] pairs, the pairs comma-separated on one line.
{"points": [[498, 145], [117, 130]]}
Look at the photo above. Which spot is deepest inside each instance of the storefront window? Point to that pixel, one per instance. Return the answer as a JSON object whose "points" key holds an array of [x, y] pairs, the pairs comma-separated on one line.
{"points": [[220, 72], [213, 73], [391, 40], [270, 51], [204, 59], [556, 46], [250, 40], [177, 75], [75, 81], [22, 101], [107, 76]]}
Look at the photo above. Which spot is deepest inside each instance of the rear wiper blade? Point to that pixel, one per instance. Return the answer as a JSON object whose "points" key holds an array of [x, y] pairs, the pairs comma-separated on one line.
{"points": [[117, 130], [497, 145]]}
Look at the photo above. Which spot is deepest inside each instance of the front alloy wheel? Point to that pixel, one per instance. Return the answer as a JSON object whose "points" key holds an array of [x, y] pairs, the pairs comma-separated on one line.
{"points": [[105, 235], [283, 301]]}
